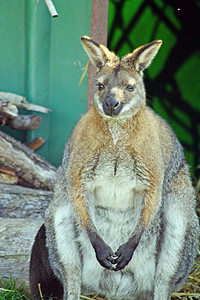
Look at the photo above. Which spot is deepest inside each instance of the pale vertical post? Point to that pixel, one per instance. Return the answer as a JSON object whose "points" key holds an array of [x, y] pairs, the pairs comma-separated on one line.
{"points": [[99, 28]]}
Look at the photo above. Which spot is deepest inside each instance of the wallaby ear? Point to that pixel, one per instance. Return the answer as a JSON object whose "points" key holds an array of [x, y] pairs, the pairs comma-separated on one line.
{"points": [[142, 57], [97, 53]]}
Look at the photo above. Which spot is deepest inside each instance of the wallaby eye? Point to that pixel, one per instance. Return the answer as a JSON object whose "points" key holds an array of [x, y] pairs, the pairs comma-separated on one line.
{"points": [[100, 86], [130, 87]]}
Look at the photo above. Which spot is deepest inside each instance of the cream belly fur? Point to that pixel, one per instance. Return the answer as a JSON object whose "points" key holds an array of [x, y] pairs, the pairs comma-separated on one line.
{"points": [[96, 279], [110, 218]]}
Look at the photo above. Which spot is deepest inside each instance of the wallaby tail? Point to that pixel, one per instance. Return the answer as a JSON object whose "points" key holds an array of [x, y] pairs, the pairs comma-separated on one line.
{"points": [[43, 282]]}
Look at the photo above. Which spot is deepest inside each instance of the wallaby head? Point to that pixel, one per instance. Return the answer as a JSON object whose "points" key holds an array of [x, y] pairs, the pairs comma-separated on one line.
{"points": [[119, 89]]}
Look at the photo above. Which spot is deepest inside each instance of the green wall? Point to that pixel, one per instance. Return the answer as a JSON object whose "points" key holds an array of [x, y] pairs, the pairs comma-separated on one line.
{"points": [[172, 81], [42, 59]]}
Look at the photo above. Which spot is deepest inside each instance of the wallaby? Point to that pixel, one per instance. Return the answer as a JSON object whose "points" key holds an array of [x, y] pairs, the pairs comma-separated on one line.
{"points": [[122, 222]]}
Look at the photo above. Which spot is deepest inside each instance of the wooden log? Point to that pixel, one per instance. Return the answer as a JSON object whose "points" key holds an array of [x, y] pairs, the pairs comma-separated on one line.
{"points": [[8, 109], [21, 122], [22, 103], [8, 178], [35, 143], [17, 238], [20, 202], [25, 122], [31, 169]]}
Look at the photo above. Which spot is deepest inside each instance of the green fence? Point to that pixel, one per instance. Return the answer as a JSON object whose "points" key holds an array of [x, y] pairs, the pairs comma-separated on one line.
{"points": [[42, 58]]}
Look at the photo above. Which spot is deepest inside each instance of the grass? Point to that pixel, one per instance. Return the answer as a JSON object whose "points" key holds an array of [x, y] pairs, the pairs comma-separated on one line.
{"points": [[190, 291], [10, 291]]}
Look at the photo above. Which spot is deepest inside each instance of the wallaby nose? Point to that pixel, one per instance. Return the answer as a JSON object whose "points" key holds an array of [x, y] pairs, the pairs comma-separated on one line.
{"points": [[112, 106]]}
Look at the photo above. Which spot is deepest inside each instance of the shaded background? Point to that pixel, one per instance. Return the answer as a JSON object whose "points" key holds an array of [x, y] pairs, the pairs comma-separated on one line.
{"points": [[173, 80], [42, 59]]}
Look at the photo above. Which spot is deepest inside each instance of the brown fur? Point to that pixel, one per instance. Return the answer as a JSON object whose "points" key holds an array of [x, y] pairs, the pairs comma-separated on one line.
{"points": [[123, 191], [142, 140]]}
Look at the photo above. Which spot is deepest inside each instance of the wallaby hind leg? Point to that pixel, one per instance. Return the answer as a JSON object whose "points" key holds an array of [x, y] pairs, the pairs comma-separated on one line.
{"points": [[41, 272], [188, 255], [179, 241]]}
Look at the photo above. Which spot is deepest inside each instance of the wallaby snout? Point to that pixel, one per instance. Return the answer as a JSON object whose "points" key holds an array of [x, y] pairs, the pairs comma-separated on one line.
{"points": [[112, 106]]}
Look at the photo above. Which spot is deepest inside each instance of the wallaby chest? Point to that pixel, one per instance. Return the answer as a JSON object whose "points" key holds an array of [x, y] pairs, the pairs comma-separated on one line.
{"points": [[113, 182]]}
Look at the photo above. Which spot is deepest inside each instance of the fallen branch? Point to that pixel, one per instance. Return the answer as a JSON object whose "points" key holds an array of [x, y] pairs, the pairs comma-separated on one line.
{"points": [[21, 202], [22, 103], [25, 122], [30, 169], [35, 143], [7, 177], [17, 237], [7, 109]]}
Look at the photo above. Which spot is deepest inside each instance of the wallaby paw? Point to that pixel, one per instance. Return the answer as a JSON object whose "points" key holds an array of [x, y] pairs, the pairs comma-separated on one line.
{"points": [[106, 257], [124, 255]]}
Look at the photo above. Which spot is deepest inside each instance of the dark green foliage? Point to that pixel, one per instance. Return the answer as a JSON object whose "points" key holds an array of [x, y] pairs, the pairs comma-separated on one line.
{"points": [[10, 291]]}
